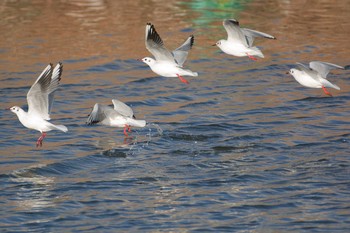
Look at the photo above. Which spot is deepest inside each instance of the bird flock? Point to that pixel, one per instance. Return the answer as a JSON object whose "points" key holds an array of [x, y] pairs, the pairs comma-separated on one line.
{"points": [[239, 43]]}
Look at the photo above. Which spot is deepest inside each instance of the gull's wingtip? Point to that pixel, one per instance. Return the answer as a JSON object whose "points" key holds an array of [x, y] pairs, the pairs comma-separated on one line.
{"points": [[234, 21], [192, 40], [149, 26]]}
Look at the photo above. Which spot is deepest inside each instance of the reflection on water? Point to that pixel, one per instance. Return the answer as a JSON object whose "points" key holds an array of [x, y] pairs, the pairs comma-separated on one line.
{"points": [[138, 139], [33, 194], [88, 12], [243, 148]]}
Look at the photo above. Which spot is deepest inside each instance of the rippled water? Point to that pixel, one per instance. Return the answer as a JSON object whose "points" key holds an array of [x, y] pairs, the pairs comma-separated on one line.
{"points": [[243, 148]]}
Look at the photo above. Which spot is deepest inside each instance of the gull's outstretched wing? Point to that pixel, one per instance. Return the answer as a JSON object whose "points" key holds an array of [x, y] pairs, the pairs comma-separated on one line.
{"points": [[55, 82], [252, 34], [38, 97], [180, 54], [99, 113], [155, 45], [303, 66], [41, 95], [122, 108], [323, 68], [234, 32]]}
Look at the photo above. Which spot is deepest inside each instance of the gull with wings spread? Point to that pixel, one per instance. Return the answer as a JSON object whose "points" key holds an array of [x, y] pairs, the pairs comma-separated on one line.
{"points": [[121, 115], [40, 99], [240, 41], [166, 63], [315, 76]]}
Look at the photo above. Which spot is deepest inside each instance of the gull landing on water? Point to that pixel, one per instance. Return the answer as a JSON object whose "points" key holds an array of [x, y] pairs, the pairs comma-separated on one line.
{"points": [[315, 76], [167, 64], [239, 41], [119, 116], [40, 99]]}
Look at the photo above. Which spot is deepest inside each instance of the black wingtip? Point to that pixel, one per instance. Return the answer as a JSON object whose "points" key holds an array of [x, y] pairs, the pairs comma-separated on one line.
{"points": [[61, 66], [153, 35], [91, 122], [192, 40], [234, 21], [60, 70]]}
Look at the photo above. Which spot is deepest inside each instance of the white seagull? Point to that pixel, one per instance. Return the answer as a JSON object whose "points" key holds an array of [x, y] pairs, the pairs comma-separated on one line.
{"points": [[167, 64], [239, 41], [315, 76], [119, 116], [40, 99]]}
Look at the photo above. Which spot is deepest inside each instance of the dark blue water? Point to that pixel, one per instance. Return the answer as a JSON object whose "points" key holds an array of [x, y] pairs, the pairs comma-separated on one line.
{"points": [[243, 148]]}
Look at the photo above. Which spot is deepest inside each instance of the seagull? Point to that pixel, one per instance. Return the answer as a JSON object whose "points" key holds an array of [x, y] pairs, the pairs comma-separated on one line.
{"points": [[40, 99], [240, 40], [167, 64], [315, 76], [119, 116]]}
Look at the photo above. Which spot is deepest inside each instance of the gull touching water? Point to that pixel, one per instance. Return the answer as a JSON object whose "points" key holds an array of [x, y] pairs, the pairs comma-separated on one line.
{"points": [[40, 99], [315, 76], [119, 116], [240, 40], [167, 64]]}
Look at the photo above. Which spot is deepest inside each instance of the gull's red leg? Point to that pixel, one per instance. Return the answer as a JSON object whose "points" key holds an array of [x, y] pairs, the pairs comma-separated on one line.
{"points": [[182, 79], [251, 57], [326, 91], [39, 142], [125, 128]]}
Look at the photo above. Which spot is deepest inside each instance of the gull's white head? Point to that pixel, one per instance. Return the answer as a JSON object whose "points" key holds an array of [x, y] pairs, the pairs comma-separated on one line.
{"points": [[148, 60], [218, 43], [294, 72], [17, 110]]}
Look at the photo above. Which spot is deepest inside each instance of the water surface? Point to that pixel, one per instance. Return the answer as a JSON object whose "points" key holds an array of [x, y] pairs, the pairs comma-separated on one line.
{"points": [[243, 148]]}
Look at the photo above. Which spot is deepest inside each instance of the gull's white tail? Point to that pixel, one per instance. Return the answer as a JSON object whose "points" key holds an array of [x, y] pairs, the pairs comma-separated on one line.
{"points": [[61, 127], [136, 123], [327, 83], [190, 73], [256, 52]]}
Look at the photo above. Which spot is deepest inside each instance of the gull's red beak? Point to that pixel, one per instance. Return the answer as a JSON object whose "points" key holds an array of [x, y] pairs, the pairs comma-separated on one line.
{"points": [[7, 108], [213, 44], [287, 72]]}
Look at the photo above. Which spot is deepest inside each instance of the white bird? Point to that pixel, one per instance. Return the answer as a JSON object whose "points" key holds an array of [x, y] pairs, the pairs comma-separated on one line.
{"points": [[315, 76], [167, 64], [40, 99], [119, 116], [240, 40]]}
